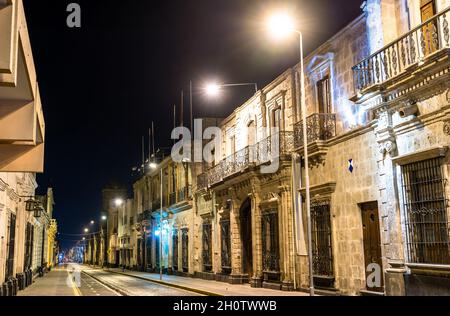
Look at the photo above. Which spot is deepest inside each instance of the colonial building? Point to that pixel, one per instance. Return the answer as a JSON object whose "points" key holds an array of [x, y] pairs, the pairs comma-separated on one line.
{"points": [[22, 135], [377, 97], [378, 117], [127, 235], [177, 222], [107, 241]]}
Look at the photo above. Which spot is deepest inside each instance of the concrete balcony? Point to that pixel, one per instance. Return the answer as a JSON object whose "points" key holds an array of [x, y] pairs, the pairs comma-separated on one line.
{"points": [[408, 65], [22, 126]]}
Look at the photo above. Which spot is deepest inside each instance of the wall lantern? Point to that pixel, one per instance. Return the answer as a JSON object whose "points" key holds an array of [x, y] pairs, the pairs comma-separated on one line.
{"points": [[38, 211], [30, 205]]}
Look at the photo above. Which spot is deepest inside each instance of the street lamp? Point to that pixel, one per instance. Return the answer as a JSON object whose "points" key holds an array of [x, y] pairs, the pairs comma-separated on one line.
{"points": [[213, 89], [118, 202], [86, 230], [92, 222], [158, 233], [280, 26], [104, 218]]}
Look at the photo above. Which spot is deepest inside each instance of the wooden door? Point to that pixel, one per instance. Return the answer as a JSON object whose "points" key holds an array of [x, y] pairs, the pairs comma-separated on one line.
{"points": [[430, 30], [372, 241], [246, 237]]}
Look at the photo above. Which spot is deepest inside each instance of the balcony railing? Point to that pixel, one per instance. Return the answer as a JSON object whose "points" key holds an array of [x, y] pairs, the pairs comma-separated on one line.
{"points": [[319, 127], [404, 53], [251, 156]]}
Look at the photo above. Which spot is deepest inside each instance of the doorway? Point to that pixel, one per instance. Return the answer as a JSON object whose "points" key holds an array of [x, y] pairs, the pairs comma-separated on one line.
{"points": [[246, 237], [372, 241]]}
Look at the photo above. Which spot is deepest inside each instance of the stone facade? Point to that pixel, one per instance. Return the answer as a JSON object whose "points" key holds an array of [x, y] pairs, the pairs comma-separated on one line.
{"points": [[375, 109]]}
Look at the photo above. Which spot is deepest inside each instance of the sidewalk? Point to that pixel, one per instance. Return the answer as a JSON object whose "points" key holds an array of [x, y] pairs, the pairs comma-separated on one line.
{"points": [[205, 286], [55, 283]]}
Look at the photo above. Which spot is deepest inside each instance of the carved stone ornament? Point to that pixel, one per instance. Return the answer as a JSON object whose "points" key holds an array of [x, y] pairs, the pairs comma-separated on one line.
{"points": [[390, 146], [447, 128]]}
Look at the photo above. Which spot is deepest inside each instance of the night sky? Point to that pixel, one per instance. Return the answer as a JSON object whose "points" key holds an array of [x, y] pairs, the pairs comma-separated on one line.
{"points": [[103, 84]]}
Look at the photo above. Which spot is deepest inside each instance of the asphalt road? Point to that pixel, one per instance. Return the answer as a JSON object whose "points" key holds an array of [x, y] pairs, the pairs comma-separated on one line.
{"points": [[77, 280], [134, 287], [67, 281]]}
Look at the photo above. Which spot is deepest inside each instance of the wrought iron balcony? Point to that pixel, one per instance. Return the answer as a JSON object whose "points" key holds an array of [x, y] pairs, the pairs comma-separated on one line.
{"points": [[252, 156], [320, 127], [405, 53]]}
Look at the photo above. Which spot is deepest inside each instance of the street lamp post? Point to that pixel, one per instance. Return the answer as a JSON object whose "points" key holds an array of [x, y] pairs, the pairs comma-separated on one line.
{"points": [[282, 25], [160, 225]]}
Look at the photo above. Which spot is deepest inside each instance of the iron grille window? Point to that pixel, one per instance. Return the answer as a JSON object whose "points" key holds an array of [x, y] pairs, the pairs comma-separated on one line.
{"points": [[157, 262], [138, 254], [147, 251], [426, 218], [225, 245], [207, 247], [10, 247], [270, 245], [175, 250], [321, 239], [28, 246], [185, 249]]}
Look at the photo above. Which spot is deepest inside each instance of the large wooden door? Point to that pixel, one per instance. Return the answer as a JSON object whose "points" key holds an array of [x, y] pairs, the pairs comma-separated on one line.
{"points": [[246, 237], [430, 30], [372, 241]]}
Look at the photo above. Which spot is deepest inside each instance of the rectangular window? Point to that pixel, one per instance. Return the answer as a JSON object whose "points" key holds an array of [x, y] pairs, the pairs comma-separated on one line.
{"points": [[425, 207], [185, 249], [270, 245], [207, 246], [175, 250], [225, 250], [324, 95], [277, 118], [321, 239], [11, 246]]}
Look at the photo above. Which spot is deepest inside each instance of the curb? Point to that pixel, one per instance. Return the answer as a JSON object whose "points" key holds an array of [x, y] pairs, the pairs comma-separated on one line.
{"points": [[182, 287], [108, 285]]}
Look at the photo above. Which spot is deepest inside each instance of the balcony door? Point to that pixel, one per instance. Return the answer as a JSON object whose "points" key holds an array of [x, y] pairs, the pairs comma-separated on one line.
{"points": [[429, 31], [324, 107], [324, 95]]}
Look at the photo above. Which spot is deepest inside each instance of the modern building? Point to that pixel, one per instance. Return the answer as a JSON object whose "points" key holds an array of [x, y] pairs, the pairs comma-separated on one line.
{"points": [[22, 138]]}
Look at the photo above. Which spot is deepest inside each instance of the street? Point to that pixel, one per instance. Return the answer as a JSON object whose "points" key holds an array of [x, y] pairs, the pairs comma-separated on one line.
{"points": [[76, 280]]}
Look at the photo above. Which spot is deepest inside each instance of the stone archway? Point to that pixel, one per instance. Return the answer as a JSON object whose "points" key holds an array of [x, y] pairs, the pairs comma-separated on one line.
{"points": [[245, 221]]}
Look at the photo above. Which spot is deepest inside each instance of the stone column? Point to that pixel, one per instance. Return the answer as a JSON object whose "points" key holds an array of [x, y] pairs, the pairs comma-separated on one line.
{"points": [[256, 279], [391, 229], [285, 234], [236, 244]]}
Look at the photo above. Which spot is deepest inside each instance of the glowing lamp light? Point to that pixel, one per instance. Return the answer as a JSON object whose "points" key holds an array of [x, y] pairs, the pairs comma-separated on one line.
{"points": [[86, 230], [92, 222], [157, 233], [280, 25], [213, 89], [104, 218], [118, 202], [153, 165]]}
